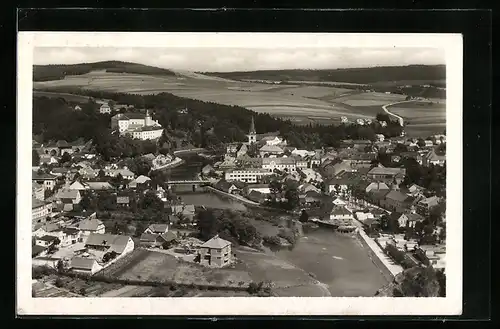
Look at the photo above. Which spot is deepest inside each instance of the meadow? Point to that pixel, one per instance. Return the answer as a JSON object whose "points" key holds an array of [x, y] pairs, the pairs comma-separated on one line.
{"points": [[301, 103]]}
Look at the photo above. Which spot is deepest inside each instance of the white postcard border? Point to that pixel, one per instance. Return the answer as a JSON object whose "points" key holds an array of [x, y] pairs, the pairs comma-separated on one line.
{"points": [[451, 305]]}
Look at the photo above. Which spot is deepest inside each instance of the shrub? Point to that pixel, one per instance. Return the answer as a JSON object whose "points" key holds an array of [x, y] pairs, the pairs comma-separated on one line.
{"points": [[59, 283], [288, 236], [273, 240]]}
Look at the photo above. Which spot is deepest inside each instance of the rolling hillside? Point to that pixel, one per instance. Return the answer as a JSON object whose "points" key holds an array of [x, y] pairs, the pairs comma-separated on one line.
{"points": [[58, 72], [372, 75]]}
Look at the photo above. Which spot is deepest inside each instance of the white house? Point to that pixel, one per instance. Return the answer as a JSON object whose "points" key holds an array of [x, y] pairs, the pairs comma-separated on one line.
{"points": [[90, 225], [282, 164], [303, 153], [274, 140], [139, 180], [120, 244], [39, 211], [340, 213], [105, 108], [156, 229], [84, 265]]}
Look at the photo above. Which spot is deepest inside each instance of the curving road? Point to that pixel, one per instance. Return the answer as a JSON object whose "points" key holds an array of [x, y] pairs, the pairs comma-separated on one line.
{"points": [[401, 120]]}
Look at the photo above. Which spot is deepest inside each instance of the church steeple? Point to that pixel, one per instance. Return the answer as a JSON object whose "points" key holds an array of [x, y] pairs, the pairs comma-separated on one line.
{"points": [[252, 134], [252, 127]]}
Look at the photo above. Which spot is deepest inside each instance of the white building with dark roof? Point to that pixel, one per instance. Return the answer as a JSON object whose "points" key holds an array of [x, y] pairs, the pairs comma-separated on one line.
{"points": [[120, 244], [282, 164]]}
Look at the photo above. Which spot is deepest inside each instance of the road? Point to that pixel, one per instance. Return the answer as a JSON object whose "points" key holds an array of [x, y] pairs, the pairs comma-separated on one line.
{"points": [[401, 120]]}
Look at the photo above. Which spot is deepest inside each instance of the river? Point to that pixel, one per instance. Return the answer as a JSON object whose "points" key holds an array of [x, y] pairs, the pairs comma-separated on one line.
{"points": [[335, 259]]}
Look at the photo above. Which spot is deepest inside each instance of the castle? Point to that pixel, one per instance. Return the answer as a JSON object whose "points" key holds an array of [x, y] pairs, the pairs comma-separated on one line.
{"points": [[137, 125]]}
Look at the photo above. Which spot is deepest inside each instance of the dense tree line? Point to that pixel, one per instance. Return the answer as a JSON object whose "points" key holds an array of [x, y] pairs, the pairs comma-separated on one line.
{"points": [[58, 72], [351, 75], [204, 125]]}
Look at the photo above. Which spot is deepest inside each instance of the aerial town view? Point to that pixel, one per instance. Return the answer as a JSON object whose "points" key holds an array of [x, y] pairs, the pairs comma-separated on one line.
{"points": [[238, 176]]}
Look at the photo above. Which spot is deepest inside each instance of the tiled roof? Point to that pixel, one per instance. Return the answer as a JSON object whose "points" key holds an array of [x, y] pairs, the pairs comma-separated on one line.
{"points": [[42, 176], [148, 237], [386, 171], [397, 196], [215, 243], [82, 263], [271, 148], [47, 238], [89, 224], [340, 211], [279, 161], [66, 193], [115, 243], [36, 250], [158, 228]]}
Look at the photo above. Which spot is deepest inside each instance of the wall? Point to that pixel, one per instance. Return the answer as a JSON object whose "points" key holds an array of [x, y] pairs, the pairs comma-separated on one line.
{"points": [[380, 265]]}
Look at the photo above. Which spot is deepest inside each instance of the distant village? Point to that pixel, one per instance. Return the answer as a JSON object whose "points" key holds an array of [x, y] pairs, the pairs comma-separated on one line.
{"points": [[347, 189]]}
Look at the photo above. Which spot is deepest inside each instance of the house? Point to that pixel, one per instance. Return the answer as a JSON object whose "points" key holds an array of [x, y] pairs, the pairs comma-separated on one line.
{"points": [[424, 206], [105, 108], [312, 197], [47, 180], [315, 160], [334, 167], [364, 216], [243, 150], [307, 187], [37, 191], [185, 211], [431, 158], [338, 202], [261, 188], [340, 213], [77, 185], [273, 140], [387, 175], [69, 236], [59, 171], [99, 186], [156, 229], [90, 225], [379, 137], [164, 240], [124, 172], [84, 265], [119, 244], [410, 219], [38, 251], [269, 150], [287, 164], [302, 153], [45, 241], [88, 173], [66, 195], [415, 190], [376, 186], [428, 143], [123, 201], [139, 181], [46, 229], [216, 252], [207, 170], [396, 201], [40, 210]]}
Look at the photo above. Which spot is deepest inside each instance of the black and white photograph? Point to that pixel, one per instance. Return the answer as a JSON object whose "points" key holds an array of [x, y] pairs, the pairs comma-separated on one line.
{"points": [[240, 173]]}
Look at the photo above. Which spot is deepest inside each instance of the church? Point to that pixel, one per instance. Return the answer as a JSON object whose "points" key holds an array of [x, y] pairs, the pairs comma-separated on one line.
{"points": [[137, 125]]}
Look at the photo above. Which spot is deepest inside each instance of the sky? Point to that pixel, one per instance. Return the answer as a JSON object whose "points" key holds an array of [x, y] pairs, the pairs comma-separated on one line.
{"points": [[243, 59]]}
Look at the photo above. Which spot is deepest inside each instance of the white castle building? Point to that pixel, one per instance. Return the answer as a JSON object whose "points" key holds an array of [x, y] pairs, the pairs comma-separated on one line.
{"points": [[137, 125]]}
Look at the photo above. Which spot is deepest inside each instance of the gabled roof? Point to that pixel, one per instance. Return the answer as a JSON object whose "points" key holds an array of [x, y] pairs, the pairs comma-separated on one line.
{"points": [[42, 176], [148, 237], [48, 238], [271, 148], [82, 263], [158, 228], [386, 171], [341, 210], [216, 243], [99, 185], [67, 193], [90, 224], [433, 200], [141, 179], [62, 143], [396, 196], [413, 217], [116, 243], [167, 237], [37, 250], [279, 161]]}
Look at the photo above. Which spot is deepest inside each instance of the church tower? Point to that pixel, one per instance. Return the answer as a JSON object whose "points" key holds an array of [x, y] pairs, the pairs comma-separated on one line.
{"points": [[252, 134], [147, 119]]}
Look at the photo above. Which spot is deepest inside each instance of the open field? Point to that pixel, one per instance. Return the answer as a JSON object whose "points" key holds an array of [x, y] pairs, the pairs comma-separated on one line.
{"points": [[422, 118], [299, 103], [292, 100], [144, 265]]}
